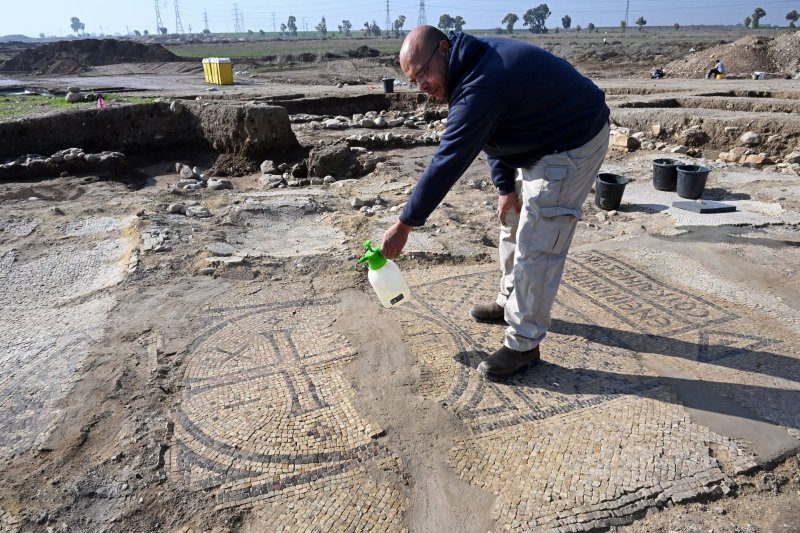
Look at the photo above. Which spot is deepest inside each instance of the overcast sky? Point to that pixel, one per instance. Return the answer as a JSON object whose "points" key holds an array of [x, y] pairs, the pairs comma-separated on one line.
{"points": [[52, 17]]}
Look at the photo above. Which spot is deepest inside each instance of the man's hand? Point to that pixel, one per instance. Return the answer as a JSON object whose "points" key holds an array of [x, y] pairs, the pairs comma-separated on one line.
{"points": [[505, 204], [394, 239]]}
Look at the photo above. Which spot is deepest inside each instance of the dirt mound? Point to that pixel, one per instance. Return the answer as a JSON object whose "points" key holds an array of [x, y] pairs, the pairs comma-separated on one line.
{"points": [[776, 55], [70, 57], [363, 51]]}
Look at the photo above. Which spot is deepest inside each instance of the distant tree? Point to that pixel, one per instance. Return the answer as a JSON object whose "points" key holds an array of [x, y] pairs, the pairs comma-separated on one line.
{"points": [[458, 23], [676, 26], [375, 29], [41, 36], [641, 21], [146, 33], [250, 32], [262, 32], [322, 27], [578, 27], [509, 20], [446, 22], [747, 22], [205, 31], [137, 33], [76, 25], [535, 18], [291, 25], [346, 27], [792, 17], [623, 25], [590, 27], [566, 21], [397, 27], [367, 30], [758, 14], [163, 30], [283, 28]]}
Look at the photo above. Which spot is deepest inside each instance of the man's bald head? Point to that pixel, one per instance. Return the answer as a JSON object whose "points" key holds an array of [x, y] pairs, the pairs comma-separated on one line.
{"points": [[420, 40]]}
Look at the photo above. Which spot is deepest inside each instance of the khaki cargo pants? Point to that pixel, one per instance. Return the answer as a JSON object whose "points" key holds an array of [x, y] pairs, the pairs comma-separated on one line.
{"points": [[534, 245]]}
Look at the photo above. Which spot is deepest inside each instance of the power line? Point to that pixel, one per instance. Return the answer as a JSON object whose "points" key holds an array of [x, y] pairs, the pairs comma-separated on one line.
{"points": [[627, 8], [388, 19], [421, 19], [274, 28], [205, 19], [159, 24], [236, 27], [178, 23]]}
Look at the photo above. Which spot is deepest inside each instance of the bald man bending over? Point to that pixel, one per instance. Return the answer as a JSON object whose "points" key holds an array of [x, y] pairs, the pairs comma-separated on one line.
{"points": [[544, 129]]}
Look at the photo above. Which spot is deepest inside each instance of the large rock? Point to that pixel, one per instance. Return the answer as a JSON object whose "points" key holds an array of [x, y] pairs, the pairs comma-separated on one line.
{"points": [[73, 98], [336, 160], [627, 142], [793, 157], [750, 138]]}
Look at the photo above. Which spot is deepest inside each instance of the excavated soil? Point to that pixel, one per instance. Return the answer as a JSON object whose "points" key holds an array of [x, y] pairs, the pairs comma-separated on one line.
{"points": [[71, 57]]}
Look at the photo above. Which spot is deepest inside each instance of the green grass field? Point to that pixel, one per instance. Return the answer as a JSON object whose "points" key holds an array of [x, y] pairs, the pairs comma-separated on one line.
{"points": [[256, 46], [257, 49], [18, 106]]}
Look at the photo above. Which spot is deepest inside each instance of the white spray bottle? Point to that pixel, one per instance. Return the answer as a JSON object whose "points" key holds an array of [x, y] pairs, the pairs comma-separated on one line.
{"points": [[385, 277]]}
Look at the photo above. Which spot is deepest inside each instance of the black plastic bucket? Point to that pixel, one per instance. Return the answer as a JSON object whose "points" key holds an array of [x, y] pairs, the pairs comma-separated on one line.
{"points": [[608, 189], [665, 174], [388, 85], [692, 181]]}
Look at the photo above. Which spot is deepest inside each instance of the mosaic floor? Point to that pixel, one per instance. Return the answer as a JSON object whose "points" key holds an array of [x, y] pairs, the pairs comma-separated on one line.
{"points": [[588, 439], [53, 311]]}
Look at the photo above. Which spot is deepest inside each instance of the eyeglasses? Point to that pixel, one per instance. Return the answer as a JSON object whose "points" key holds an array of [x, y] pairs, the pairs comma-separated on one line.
{"points": [[422, 72]]}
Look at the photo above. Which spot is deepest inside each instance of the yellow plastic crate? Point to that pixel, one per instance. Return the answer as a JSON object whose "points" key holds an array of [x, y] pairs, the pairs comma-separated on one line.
{"points": [[207, 70], [218, 70]]}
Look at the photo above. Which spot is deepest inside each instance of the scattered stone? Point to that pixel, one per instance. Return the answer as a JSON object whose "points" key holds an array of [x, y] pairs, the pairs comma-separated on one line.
{"points": [[750, 138], [625, 141], [268, 167], [198, 212], [221, 248], [232, 260], [73, 89], [317, 181], [176, 209], [681, 149], [792, 158], [356, 202], [380, 122], [656, 130], [184, 183], [366, 123], [56, 211], [186, 172], [73, 98], [328, 180], [758, 159], [271, 181], [219, 184], [176, 107]]}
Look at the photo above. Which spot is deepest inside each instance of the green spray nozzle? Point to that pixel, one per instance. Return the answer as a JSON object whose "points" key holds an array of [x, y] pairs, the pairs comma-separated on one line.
{"points": [[373, 255]]}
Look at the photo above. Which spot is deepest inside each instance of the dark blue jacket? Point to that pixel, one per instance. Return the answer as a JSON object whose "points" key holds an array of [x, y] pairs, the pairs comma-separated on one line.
{"points": [[516, 102]]}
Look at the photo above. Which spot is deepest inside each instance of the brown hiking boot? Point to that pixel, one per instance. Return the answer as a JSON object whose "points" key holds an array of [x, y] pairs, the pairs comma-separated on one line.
{"points": [[506, 362], [488, 312]]}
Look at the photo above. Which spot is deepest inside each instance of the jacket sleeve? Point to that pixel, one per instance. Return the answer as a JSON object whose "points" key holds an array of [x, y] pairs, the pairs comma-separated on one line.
{"points": [[503, 176], [471, 121]]}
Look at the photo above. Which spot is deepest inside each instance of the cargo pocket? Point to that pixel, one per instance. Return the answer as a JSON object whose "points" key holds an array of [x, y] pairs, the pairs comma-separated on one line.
{"points": [[553, 235], [554, 176]]}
